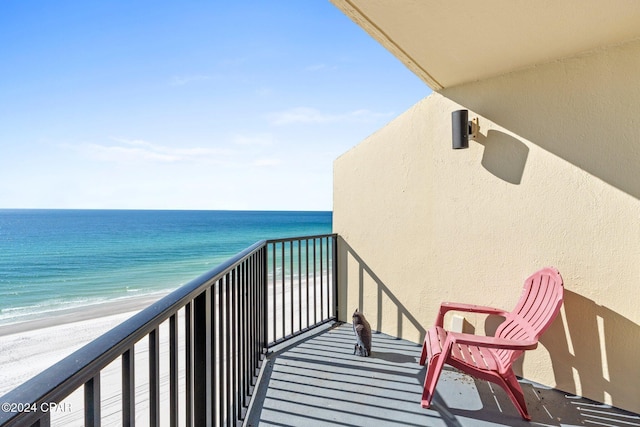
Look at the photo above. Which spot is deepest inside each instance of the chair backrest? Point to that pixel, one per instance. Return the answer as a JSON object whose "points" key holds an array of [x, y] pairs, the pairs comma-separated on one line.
{"points": [[539, 304]]}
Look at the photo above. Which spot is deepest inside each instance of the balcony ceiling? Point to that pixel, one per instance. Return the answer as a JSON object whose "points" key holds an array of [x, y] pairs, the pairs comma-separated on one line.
{"points": [[447, 43]]}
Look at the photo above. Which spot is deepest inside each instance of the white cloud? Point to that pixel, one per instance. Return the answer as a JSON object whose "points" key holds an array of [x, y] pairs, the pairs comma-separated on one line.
{"points": [[120, 153], [321, 67], [261, 139], [267, 162], [312, 115], [184, 80], [133, 150]]}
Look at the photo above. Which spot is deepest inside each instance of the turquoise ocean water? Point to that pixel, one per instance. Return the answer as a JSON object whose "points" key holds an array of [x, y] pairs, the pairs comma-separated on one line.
{"points": [[57, 259]]}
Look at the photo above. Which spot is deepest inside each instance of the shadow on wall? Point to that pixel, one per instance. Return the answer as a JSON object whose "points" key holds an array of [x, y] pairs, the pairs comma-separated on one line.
{"points": [[583, 110], [504, 156], [593, 349], [383, 295], [592, 128], [602, 348]]}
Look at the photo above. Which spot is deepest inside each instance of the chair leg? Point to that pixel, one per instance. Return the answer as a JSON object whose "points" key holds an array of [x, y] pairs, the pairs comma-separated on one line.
{"points": [[513, 389], [431, 379], [423, 356]]}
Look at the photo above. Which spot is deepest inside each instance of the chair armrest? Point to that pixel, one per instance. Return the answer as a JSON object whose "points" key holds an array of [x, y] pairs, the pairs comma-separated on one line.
{"points": [[491, 342], [469, 308]]}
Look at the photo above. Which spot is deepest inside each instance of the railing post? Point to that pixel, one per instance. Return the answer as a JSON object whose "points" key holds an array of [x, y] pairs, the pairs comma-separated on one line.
{"points": [[225, 361], [188, 344], [154, 376], [334, 274], [92, 402], [128, 388], [44, 421], [201, 359], [174, 389], [321, 280], [265, 298]]}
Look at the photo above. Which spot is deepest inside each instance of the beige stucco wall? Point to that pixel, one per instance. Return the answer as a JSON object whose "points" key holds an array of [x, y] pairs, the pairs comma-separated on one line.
{"points": [[553, 180]]}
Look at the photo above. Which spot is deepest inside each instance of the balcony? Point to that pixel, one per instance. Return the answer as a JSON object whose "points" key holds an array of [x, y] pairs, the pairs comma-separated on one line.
{"points": [[317, 381], [257, 341]]}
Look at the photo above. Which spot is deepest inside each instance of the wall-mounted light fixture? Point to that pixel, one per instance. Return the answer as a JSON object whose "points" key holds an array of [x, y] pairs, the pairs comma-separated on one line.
{"points": [[463, 129]]}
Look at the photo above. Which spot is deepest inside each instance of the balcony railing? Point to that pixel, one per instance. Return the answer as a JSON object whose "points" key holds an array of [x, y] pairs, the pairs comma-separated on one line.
{"points": [[213, 333]]}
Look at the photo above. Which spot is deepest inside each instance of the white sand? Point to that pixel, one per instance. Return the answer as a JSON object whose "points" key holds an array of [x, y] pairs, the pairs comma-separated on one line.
{"points": [[28, 348], [25, 354]]}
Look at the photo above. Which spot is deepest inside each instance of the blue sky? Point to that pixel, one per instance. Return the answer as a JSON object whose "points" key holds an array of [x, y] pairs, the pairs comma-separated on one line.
{"points": [[186, 105]]}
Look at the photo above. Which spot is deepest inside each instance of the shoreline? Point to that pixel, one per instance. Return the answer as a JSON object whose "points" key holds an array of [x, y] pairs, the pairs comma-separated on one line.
{"points": [[81, 313], [27, 348]]}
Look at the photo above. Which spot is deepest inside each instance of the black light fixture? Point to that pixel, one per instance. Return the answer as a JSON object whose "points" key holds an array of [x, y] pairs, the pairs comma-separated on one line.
{"points": [[463, 129]]}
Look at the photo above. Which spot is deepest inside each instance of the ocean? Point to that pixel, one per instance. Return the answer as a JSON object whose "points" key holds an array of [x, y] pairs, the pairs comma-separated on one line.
{"points": [[52, 260]]}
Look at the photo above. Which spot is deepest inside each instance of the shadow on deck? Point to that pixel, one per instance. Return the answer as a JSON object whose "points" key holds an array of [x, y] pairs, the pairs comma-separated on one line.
{"points": [[318, 381]]}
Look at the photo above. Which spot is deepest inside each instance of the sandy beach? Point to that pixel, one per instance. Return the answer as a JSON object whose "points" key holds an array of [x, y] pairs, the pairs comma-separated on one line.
{"points": [[28, 348]]}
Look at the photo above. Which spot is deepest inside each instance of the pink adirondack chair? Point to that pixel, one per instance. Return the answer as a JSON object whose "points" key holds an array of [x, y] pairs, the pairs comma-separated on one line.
{"points": [[491, 358]]}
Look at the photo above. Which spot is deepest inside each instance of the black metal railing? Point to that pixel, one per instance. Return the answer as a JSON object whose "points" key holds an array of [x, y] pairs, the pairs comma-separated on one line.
{"points": [[302, 279], [199, 348]]}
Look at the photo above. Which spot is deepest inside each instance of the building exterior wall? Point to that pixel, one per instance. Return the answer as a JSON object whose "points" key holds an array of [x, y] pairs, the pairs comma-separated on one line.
{"points": [[552, 180]]}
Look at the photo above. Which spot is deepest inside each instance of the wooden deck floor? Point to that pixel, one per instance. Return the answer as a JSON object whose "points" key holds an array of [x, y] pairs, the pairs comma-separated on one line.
{"points": [[319, 382]]}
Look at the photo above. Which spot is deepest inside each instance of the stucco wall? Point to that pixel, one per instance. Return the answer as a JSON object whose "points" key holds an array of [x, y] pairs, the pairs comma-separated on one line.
{"points": [[553, 180]]}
